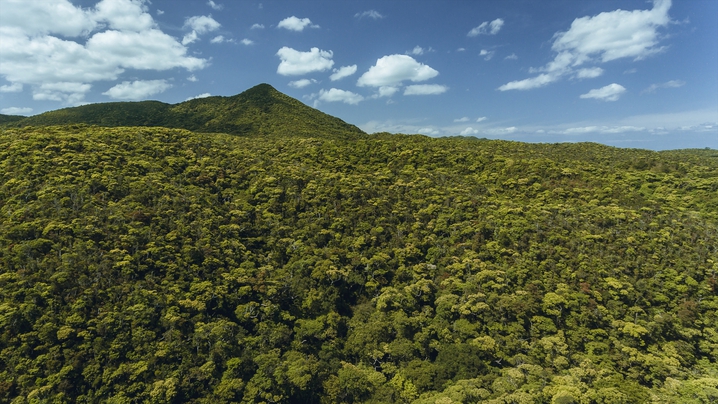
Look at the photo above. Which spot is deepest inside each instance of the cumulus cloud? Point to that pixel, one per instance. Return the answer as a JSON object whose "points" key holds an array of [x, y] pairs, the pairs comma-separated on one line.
{"points": [[481, 119], [37, 18], [469, 131], [487, 54], [192, 78], [425, 89], [487, 28], [301, 83], [611, 92], [69, 92], [392, 70], [247, 42], [464, 119], [296, 24], [215, 6], [16, 111], [49, 43], [257, 26], [601, 38], [125, 15], [344, 71], [386, 91], [137, 90], [200, 24], [511, 57], [337, 95], [295, 63], [668, 84], [429, 131], [373, 14], [11, 88], [203, 95]]}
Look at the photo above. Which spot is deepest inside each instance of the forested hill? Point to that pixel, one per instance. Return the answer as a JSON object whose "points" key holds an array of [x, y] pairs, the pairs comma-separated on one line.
{"points": [[261, 110], [166, 266]]}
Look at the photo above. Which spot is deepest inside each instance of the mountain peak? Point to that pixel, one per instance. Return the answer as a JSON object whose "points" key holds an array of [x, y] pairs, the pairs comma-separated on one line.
{"points": [[261, 110]]}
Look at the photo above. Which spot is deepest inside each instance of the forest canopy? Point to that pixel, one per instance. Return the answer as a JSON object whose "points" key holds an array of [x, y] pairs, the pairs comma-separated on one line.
{"points": [[147, 264]]}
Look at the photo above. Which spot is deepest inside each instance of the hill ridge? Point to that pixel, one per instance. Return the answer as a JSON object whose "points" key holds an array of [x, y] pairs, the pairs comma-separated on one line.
{"points": [[260, 110]]}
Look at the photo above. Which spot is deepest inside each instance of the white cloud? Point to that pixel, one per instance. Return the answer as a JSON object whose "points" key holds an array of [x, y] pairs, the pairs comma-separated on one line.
{"points": [[202, 24], [418, 50], [11, 88], [148, 50], [16, 111], [391, 70], [469, 131], [425, 89], [203, 95], [601, 129], [337, 95], [69, 92], [34, 18], [301, 83], [511, 57], [47, 44], [160, 12], [296, 24], [602, 38], [296, 63], [668, 84], [611, 92], [486, 54], [247, 42], [616, 34], [487, 28], [461, 50], [429, 131], [192, 78], [373, 14], [464, 119], [386, 91], [124, 15], [137, 90], [481, 119], [527, 84], [189, 38], [344, 71], [257, 26], [199, 24], [214, 5], [217, 39], [589, 73], [501, 131]]}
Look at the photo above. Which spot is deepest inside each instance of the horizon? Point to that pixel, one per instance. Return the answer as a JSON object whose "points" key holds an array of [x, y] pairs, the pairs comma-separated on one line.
{"points": [[627, 74]]}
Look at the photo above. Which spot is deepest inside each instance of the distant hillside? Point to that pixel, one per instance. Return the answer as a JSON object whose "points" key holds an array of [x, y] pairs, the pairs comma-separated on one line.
{"points": [[261, 110], [10, 118]]}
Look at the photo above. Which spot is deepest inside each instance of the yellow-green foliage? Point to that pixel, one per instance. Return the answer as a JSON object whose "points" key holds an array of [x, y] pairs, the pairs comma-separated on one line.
{"points": [[160, 265]]}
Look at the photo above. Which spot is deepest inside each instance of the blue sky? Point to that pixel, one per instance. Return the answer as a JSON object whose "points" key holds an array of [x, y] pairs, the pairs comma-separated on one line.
{"points": [[625, 73]]}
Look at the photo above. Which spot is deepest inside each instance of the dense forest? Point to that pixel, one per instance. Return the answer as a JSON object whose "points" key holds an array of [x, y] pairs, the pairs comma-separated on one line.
{"points": [[149, 264]]}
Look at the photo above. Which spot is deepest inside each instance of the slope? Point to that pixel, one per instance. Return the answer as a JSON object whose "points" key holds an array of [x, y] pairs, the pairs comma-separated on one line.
{"points": [[162, 265], [261, 110]]}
